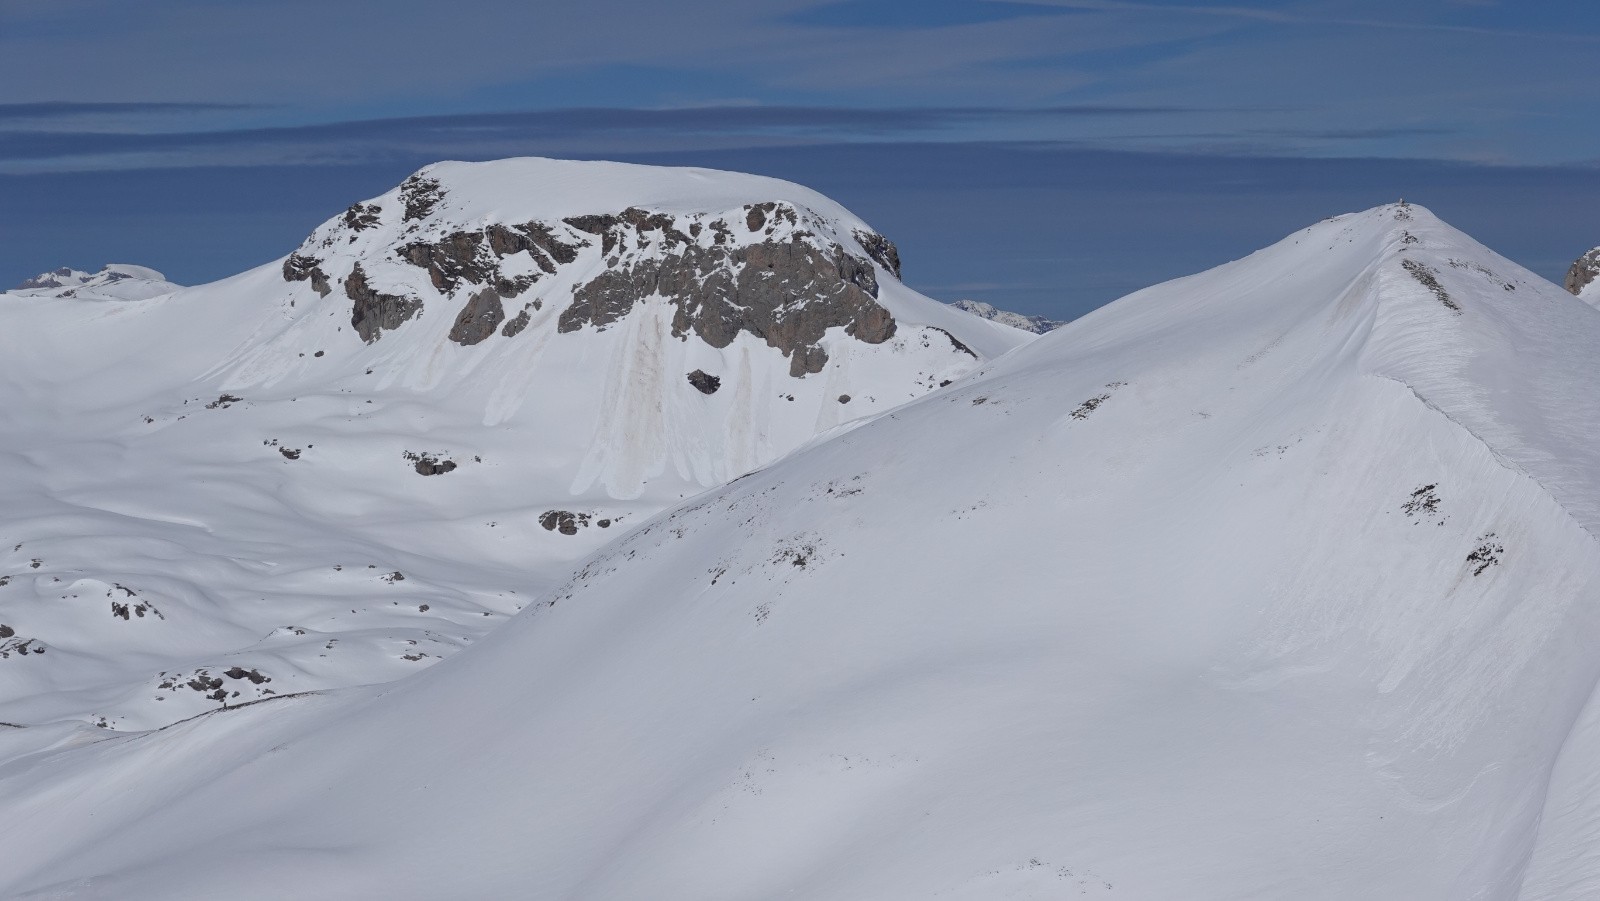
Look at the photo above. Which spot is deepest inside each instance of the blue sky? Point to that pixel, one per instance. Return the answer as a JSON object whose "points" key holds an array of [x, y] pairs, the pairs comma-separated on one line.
{"points": [[1046, 155]]}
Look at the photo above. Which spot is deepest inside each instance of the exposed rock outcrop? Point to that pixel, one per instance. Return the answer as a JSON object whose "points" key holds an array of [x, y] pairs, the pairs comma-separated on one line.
{"points": [[881, 249], [362, 216], [479, 318], [474, 256], [1583, 272], [373, 311], [774, 269], [515, 324], [420, 196], [786, 292], [299, 268]]}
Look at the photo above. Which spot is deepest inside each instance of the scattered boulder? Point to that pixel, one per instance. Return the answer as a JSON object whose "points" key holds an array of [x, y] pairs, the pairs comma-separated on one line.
{"points": [[704, 382], [564, 521], [429, 464]]}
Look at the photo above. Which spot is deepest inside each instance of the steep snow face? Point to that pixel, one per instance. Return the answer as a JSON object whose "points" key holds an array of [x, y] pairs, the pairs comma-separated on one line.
{"points": [[270, 485], [1277, 581], [1037, 325], [114, 281], [1581, 277]]}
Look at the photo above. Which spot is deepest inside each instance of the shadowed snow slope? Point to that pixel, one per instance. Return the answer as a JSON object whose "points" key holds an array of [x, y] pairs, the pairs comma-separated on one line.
{"points": [[303, 477], [1273, 582]]}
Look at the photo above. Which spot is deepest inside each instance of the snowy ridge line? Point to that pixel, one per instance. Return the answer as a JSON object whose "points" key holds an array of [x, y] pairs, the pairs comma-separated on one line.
{"points": [[1507, 462], [1494, 347]]}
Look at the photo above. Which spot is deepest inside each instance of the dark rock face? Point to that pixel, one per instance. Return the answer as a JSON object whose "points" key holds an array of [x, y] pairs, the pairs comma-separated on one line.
{"points": [[51, 279], [474, 256], [881, 249], [564, 521], [420, 196], [361, 217], [704, 382], [479, 318], [538, 240], [775, 278], [786, 292], [453, 258], [373, 312], [515, 324], [299, 268], [1429, 278], [1584, 271]]}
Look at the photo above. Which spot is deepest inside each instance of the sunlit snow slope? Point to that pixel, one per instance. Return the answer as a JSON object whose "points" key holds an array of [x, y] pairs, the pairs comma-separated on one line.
{"points": [[339, 467], [1274, 582]]}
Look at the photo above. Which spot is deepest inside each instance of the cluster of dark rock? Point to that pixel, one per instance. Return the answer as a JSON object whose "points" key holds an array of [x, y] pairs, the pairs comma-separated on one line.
{"points": [[788, 288], [1584, 271]]}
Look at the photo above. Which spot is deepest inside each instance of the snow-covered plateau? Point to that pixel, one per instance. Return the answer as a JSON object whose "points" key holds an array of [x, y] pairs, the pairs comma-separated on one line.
{"points": [[114, 281], [1276, 581]]}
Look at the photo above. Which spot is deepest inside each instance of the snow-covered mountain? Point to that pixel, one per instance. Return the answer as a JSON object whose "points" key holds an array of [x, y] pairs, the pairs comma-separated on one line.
{"points": [[342, 466], [114, 281], [1038, 325], [1581, 277], [1277, 581]]}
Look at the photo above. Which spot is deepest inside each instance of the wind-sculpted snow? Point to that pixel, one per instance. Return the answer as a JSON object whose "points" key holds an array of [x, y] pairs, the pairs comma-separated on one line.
{"points": [[336, 469], [1272, 582]]}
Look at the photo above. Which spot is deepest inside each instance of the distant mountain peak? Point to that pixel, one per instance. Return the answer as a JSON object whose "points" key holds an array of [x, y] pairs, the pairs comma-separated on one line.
{"points": [[114, 281], [1038, 325]]}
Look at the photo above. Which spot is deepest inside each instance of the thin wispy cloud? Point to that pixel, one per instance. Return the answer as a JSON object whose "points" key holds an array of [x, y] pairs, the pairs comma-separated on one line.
{"points": [[1283, 17], [62, 109]]}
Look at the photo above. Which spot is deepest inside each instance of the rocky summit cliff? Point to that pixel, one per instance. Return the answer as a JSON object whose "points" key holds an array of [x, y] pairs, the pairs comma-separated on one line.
{"points": [[585, 245], [1581, 277]]}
